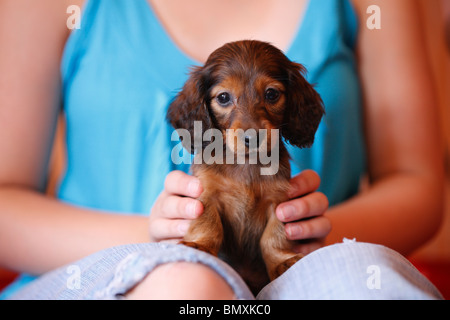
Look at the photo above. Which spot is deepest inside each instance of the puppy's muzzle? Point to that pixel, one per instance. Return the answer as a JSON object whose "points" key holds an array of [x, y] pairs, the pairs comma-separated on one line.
{"points": [[252, 141]]}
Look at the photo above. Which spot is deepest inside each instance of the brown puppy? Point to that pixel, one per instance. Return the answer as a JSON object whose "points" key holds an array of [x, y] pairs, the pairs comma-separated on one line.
{"points": [[244, 87]]}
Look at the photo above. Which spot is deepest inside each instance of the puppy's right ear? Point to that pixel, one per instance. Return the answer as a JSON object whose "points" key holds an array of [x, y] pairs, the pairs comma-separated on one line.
{"points": [[190, 106], [304, 109]]}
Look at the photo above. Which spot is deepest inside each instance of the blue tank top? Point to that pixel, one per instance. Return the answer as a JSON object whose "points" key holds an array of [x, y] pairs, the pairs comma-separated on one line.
{"points": [[121, 70]]}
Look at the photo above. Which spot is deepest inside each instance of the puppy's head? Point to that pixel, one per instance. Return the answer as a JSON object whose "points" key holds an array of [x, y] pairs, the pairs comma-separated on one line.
{"points": [[244, 87]]}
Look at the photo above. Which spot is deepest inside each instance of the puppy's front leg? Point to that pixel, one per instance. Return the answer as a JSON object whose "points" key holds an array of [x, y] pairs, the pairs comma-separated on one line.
{"points": [[206, 232], [276, 249]]}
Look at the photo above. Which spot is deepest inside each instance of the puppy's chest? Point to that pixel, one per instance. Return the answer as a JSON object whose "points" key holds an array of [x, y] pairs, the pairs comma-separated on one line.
{"points": [[244, 205]]}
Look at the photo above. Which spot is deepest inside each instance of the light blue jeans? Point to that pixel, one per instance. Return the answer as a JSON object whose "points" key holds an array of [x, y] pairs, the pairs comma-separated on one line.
{"points": [[349, 270]]}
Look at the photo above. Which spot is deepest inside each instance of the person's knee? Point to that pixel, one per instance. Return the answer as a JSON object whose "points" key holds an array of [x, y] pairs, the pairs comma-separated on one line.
{"points": [[182, 280]]}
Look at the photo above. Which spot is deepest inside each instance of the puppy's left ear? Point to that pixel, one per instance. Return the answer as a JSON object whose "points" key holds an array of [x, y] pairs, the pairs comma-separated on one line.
{"points": [[304, 109]]}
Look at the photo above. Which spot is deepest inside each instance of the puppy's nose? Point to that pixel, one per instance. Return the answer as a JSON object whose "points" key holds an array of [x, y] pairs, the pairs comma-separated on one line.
{"points": [[251, 141]]}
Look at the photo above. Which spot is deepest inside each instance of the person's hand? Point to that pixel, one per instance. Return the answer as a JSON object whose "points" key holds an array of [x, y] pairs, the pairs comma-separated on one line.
{"points": [[176, 207], [303, 215]]}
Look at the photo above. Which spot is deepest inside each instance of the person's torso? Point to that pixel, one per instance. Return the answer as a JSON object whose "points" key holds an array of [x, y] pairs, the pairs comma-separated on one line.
{"points": [[121, 70]]}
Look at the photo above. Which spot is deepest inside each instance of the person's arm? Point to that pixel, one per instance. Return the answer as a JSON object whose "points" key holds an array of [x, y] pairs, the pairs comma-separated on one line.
{"points": [[403, 205], [38, 233]]}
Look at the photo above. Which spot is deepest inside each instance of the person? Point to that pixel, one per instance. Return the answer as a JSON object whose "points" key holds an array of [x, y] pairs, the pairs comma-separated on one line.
{"points": [[115, 77]]}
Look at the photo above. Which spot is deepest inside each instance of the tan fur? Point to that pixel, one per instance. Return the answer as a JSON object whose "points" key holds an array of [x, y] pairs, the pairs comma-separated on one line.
{"points": [[239, 222]]}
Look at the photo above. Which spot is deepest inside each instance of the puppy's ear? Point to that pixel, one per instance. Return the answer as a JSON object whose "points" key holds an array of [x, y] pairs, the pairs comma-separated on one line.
{"points": [[304, 109], [190, 106]]}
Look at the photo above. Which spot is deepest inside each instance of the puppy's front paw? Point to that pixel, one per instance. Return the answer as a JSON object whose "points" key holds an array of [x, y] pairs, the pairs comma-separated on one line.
{"points": [[282, 267], [198, 246]]}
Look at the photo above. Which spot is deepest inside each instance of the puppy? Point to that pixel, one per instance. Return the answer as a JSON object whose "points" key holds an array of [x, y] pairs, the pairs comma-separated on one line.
{"points": [[248, 87]]}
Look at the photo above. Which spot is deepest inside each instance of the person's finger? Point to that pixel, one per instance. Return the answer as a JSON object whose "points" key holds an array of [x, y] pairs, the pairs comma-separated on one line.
{"points": [[176, 207], [311, 205], [180, 183], [306, 247], [315, 228], [164, 229], [305, 182], [174, 241]]}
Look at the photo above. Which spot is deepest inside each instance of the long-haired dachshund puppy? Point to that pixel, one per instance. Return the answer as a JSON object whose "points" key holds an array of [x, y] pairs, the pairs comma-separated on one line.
{"points": [[247, 85]]}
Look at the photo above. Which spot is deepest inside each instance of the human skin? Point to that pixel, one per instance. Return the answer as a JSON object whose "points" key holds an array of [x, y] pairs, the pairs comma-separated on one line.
{"points": [[402, 205]]}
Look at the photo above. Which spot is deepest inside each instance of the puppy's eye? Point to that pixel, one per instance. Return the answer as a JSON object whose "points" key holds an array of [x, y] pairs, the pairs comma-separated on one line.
{"points": [[224, 99], [272, 95]]}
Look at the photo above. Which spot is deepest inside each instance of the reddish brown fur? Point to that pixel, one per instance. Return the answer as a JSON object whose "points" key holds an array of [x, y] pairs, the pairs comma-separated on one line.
{"points": [[239, 221]]}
